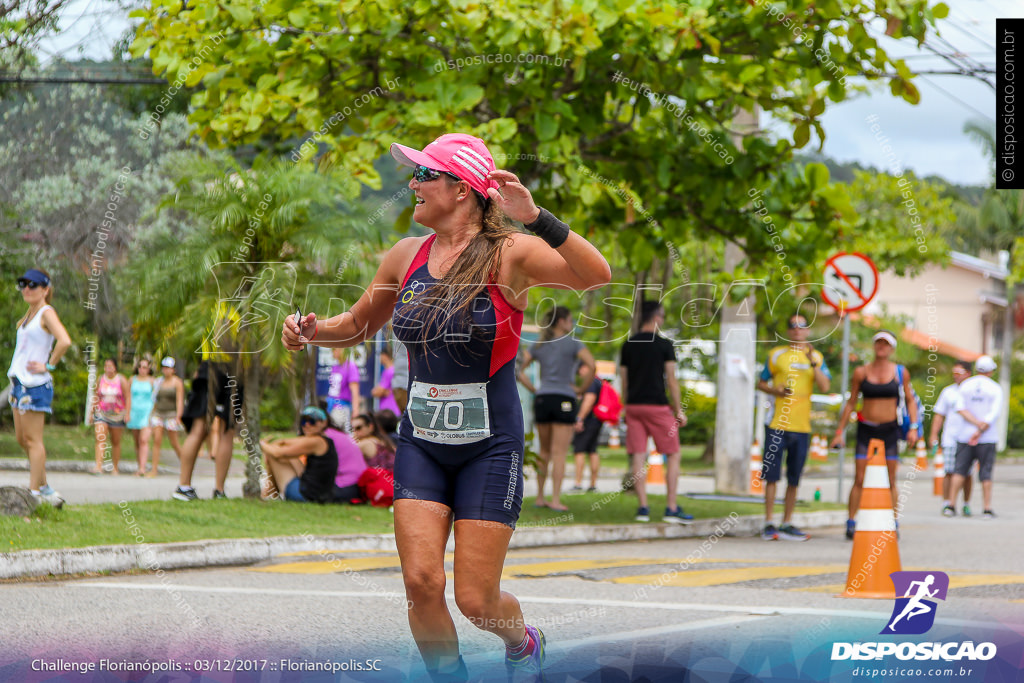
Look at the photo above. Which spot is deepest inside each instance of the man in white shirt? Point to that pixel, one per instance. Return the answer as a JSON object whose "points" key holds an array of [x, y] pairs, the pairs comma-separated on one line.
{"points": [[979, 404], [949, 421]]}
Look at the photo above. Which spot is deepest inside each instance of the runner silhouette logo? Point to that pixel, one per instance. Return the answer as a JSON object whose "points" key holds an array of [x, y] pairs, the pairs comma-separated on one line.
{"points": [[914, 612]]}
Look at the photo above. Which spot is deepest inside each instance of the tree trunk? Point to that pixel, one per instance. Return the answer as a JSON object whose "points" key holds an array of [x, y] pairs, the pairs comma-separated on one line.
{"points": [[708, 456], [250, 430]]}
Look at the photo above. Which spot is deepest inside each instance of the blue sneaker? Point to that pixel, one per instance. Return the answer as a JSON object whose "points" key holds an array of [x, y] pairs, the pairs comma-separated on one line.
{"points": [[531, 662], [643, 514], [851, 529], [677, 516], [788, 532], [770, 533]]}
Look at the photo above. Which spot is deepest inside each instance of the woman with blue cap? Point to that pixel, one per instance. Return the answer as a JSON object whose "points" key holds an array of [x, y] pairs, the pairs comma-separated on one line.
{"points": [[314, 480], [35, 357]]}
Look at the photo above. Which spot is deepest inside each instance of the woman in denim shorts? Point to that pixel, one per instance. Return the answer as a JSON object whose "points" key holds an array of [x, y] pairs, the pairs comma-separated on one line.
{"points": [[35, 356]]}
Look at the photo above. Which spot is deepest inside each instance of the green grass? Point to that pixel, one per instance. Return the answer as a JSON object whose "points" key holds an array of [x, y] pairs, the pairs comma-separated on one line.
{"points": [[689, 460], [167, 521], [64, 442], [77, 526]]}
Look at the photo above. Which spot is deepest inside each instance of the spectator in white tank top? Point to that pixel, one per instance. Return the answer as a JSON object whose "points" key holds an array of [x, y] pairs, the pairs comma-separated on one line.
{"points": [[35, 357]]}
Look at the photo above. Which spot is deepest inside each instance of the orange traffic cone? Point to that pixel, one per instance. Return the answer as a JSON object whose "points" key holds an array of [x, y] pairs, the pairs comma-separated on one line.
{"points": [[613, 438], [940, 472], [655, 468], [875, 552], [756, 483], [922, 457], [819, 448]]}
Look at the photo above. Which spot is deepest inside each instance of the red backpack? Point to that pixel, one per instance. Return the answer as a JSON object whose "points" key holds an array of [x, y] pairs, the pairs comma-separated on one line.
{"points": [[608, 406], [377, 486]]}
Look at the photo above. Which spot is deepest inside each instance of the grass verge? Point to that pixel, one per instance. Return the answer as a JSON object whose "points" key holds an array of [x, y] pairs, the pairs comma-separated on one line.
{"points": [[78, 526]]}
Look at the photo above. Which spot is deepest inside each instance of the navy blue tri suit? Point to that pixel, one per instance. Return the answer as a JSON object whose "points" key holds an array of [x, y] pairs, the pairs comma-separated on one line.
{"points": [[461, 439]]}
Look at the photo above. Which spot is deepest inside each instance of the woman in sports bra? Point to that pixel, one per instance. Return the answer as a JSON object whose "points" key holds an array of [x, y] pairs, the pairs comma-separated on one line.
{"points": [[35, 357], [876, 382], [457, 298], [112, 402]]}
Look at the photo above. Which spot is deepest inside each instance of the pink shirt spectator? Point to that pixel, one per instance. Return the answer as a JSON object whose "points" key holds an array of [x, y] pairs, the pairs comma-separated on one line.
{"points": [[351, 462], [388, 402], [341, 376]]}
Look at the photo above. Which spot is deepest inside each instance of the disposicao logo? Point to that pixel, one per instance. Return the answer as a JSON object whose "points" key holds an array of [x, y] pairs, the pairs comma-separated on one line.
{"points": [[914, 613]]}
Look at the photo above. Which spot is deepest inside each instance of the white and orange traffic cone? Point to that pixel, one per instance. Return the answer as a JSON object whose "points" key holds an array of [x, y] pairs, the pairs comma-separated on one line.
{"points": [[875, 553], [819, 448], [613, 437], [922, 457], [940, 472], [756, 483], [655, 468]]}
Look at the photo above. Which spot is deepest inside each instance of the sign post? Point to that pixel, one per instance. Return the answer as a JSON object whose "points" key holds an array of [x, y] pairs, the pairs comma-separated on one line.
{"points": [[851, 282]]}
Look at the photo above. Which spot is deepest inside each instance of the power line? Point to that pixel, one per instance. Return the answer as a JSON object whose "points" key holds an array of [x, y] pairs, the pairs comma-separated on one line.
{"points": [[99, 80], [986, 115]]}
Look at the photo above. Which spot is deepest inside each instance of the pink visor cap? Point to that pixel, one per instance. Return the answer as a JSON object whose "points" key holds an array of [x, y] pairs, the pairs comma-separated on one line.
{"points": [[462, 155]]}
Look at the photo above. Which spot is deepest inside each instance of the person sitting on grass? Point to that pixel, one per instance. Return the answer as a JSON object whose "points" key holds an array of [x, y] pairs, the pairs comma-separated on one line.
{"points": [[351, 463], [314, 481], [389, 423], [376, 445]]}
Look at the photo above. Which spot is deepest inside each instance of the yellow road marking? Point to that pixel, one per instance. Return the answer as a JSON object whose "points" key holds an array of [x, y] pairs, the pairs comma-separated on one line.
{"points": [[714, 577], [955, 581], [304, 553], [356, 564], [546, 568]]}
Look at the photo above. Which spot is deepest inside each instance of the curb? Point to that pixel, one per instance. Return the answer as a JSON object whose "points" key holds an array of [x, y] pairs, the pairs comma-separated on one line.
{"points": [[244, 551], [80, 466]]}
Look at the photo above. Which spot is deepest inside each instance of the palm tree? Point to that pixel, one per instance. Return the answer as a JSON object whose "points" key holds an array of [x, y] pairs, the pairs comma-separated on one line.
{"points": [[996, 223], [253, 244]]}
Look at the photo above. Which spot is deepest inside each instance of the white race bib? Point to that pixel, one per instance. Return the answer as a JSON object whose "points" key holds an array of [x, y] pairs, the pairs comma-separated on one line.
{"points": [[449, 413]]}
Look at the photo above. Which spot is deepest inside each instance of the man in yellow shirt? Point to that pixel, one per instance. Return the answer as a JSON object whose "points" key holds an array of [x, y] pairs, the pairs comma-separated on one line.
{"points": [[790, 376]]}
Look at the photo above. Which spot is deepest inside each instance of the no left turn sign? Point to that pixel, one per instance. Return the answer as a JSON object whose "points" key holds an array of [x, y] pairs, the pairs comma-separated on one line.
{"points": [[851, 282]]}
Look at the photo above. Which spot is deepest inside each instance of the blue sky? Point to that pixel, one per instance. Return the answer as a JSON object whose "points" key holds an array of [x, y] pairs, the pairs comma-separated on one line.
{"points": [[927, 138]]}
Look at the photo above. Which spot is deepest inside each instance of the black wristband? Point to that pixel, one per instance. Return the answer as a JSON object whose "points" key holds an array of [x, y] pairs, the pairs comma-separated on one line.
{"points": [[549, 229]]}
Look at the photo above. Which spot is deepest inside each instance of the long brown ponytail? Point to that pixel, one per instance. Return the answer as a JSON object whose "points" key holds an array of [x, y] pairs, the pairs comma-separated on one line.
{"points": [[472, 271]]}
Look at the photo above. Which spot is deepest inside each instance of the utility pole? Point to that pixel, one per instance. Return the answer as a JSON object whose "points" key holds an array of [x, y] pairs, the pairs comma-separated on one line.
{"points": [[734, 411]]}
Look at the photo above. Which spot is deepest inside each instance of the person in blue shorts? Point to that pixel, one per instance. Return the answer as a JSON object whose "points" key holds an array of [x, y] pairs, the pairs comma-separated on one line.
{"points": [[457, 297]]}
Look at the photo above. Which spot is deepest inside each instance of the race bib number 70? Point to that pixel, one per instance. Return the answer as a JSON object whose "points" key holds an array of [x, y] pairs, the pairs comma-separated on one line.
{"points": [[449, 413]]}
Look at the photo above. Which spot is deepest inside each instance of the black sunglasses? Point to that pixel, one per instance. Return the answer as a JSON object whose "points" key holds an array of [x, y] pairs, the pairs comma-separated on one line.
{"points": [[307, 421], [798, 326], [423, 174], [31, 284]]}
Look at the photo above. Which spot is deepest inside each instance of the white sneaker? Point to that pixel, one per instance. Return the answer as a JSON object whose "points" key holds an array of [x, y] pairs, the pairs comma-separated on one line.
{"points": [[48, 495]]}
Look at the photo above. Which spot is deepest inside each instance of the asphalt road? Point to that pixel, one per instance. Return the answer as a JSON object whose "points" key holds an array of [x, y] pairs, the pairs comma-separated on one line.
{"points": [[740, 606]]}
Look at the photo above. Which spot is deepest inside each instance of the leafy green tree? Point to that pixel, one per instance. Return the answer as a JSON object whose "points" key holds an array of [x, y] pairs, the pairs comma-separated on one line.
{"points": [[569, 94], [256, 243], [22, 24], [76, 181]]}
